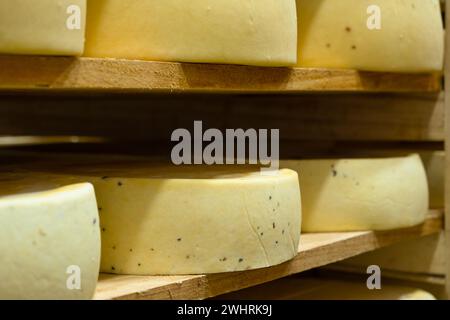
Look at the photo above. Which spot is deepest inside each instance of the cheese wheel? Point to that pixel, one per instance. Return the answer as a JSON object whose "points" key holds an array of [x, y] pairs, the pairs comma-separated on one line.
{"points": [[362, 194], [262, 32], [309, 288], [49, 240], [193, 223], [46, 27], [335, 34], [433, 161]]}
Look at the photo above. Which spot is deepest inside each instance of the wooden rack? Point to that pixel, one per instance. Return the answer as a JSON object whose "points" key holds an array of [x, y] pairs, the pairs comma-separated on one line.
{"points": [[141, 101]]}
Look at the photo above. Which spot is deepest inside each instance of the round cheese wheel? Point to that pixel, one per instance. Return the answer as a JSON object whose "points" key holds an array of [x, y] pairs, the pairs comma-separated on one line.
{"points": [[433, 161], [362, 194], [345, 34], [49, 241], [164, 221], [46, 27], [262, 32]]}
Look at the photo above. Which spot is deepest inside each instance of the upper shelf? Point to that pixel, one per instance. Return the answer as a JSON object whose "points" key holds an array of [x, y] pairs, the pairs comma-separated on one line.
{"points": [[315, 250], [30, 73]]}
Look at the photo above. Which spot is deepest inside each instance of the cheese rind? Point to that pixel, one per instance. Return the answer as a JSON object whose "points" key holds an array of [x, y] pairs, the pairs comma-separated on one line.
{"points": [[33, 27], [362, 194], [45, 238], [262, 32], [334, 34]]}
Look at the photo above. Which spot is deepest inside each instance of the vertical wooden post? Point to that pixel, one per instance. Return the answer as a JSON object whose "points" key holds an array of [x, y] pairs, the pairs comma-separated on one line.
{"points": [[447, 145]]}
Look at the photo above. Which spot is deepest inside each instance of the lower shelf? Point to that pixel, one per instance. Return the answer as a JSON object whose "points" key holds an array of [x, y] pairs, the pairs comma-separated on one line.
{"points": [[315, 250]]}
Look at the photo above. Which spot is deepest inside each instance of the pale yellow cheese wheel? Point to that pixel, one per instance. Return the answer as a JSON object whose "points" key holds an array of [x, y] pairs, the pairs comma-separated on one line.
{"points": [[262, 32], [49, 239], [334, 34], [433, 161], [362, 194], [40, 27], [192, 223]]}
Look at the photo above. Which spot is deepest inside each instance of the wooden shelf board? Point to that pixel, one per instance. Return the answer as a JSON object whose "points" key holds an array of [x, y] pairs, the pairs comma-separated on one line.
{"points": [[31, 73], [315, 250], [329, 118]]}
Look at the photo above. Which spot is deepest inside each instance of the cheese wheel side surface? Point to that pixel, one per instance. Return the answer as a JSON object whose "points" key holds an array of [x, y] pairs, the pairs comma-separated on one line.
{"points": [[345, 34], [262, 33]]}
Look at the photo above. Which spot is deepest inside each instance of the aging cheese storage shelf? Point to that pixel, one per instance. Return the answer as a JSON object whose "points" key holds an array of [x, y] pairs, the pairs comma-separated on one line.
{"points": [[18, 73], [315, 250]]}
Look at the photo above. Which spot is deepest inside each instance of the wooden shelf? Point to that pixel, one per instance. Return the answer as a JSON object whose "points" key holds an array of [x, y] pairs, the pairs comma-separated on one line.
{"points": [[315, 250], [304, 117], [22, 73]]}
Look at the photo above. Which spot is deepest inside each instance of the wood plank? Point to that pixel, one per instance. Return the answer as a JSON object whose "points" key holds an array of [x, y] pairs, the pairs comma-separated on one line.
{"points": [[331, 117], [63, 73], [315, 250]]}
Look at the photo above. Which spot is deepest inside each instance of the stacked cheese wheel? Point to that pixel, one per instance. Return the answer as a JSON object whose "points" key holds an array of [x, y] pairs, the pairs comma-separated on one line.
{"points": [[385, 35]]}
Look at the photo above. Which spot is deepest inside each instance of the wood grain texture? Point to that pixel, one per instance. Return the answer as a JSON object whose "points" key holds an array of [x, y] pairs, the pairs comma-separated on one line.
{"points": [[59, 73], [315, 250], [331, 117]]}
